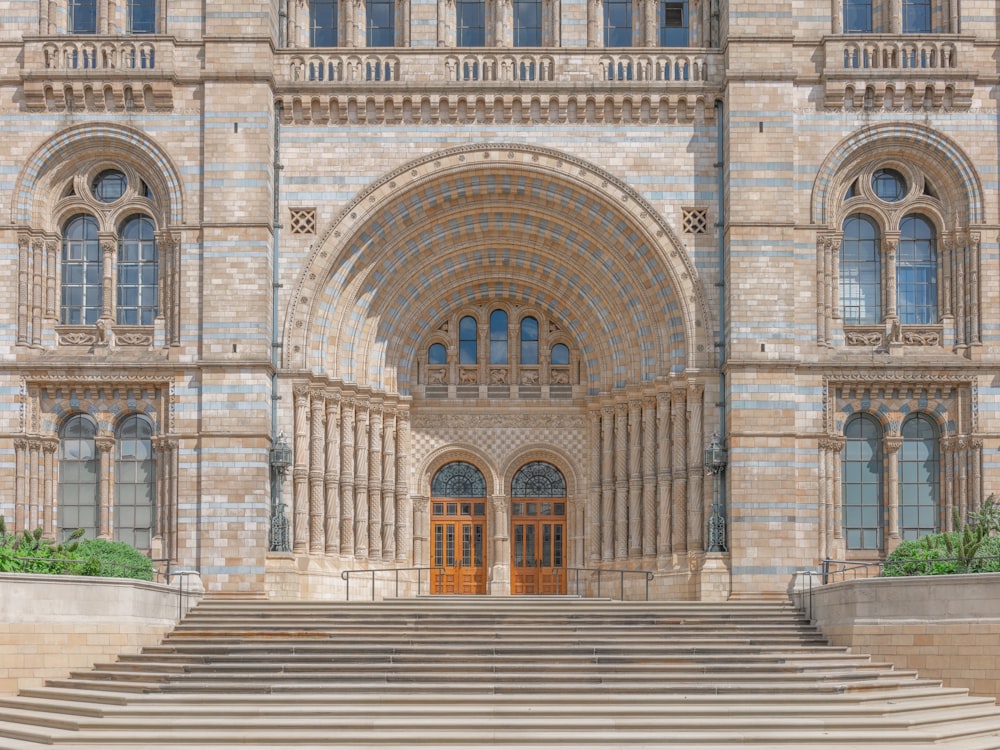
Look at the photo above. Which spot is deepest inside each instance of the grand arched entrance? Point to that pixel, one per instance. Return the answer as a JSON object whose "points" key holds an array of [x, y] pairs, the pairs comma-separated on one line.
{"points": [[538, 530], [458, 530]]}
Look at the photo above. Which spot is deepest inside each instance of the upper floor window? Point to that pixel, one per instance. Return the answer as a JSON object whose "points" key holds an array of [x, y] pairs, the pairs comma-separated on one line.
{"points": [[917, 17], [468, 341], [617, 23], [889, 185], [527, 23], [498, 337], [134, 482], [674, 24], [919, 478], [381, 23], [323, 23], [109, 185], [861, 271], [857, 16], [470, 23], [861, 467], [141, 16], [137, 273], [81, 272], [916, 271], [437, 354], [529, 341], [82, 16]]}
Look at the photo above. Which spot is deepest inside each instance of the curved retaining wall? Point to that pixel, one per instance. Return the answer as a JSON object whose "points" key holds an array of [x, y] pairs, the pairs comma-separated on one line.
{"points": [[945, 627], [52, 625]]}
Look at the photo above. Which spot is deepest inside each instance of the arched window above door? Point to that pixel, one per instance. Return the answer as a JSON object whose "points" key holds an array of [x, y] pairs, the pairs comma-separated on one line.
{"points": [[458, 479], [538, 479]]}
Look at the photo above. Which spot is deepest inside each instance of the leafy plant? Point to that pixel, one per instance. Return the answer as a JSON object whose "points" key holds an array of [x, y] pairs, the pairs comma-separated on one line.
{"points": [[116, 559]]}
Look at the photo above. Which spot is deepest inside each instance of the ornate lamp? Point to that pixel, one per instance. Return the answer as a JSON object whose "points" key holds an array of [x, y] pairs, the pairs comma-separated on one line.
{"points": [[281, 459], [716, 458]]}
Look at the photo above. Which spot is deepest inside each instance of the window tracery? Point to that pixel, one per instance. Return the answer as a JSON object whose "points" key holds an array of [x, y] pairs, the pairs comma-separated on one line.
{"points": [[538, 479], [106, 276], [458, 479]]}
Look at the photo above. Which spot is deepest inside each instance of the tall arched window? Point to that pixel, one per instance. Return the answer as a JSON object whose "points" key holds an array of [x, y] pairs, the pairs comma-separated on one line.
{"points": [[861, 272], [861, 482], [137, 273], [468, 341], [81, 272], [78, 477], [498, 337], [134, 482], [560, 354], [916, 272], [919, 478], [437, 354], [529, 341]]}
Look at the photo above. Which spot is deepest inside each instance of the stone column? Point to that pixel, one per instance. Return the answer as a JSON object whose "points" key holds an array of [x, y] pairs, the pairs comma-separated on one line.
{"points": [[23, 274], [593, 522], [375, 481], [696, 468], [649, 476], [621, 481], [317, 473], [104, 446], [679, 500], [948, 465], [388, 486], [300, 473], [34, 476], [973, 276], [331, 476], [37, 287], [361, 480], [49, 519], [421, 531], [889, 246], [21, 484], [347, 477], [500, 565], [891, 445], [108, 248], [607, 483], [976, 473], [664, 478], [634, 524], [962, 464], [405, 548]]}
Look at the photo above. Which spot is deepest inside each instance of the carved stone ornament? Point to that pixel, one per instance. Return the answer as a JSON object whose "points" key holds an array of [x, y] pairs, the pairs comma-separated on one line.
{"points": [[921, 338], [498, 377], [77, 338], [863, 338], [468, 376], [488, 421]]}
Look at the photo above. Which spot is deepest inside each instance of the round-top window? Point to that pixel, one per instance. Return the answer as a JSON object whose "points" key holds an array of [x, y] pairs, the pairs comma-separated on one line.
{"points": [[889, 185]]}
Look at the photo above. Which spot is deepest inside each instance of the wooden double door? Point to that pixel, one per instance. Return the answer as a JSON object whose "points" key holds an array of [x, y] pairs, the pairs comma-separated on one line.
{"points": [[458, 531], [537, 547]]}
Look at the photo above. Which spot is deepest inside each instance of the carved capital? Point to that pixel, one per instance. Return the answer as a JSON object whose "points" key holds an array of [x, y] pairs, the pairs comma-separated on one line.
{"points": [[892, 443], [104, 443], [832, 444]]}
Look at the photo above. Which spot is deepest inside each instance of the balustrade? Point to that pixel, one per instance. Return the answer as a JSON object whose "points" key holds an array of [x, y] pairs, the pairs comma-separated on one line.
{"points": [[69, 54]]}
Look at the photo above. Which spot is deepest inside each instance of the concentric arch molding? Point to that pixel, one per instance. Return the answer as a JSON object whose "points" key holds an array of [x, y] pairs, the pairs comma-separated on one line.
{"points": [[339, 243]]}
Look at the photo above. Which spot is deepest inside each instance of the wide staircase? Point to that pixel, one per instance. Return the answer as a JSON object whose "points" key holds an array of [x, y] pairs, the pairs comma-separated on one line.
{"points": [[495, 672]]}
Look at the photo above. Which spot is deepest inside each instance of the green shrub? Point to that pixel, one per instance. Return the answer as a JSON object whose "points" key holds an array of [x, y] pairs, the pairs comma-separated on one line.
{"points": [[926, 556], [114, 559]]}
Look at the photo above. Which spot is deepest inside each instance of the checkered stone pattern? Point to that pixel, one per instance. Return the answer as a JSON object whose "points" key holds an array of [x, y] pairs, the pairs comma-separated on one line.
{"points": [[500, 445]]}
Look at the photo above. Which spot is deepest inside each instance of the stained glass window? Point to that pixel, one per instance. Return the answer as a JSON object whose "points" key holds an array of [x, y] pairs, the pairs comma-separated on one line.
{"points": [[538, 479]]}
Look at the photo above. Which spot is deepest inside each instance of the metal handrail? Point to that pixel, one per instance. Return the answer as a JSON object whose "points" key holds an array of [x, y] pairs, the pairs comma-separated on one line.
{"points": [[849, 566], [346, 575], [621, 578]]}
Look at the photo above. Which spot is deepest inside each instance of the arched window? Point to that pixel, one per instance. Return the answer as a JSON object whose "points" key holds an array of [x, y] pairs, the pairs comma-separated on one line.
{"points": [[538, 479], [381, 23], [437, 355], [134, 482], [322, 23], [141, 16], [81, 272], [527, 23], [560, 354], [78, 478], [860, 272], [916, 272], [861, 482], [458, 479], [137, 273], [467, 341], [529, 341], [919, 478], [889, 185], [498, 337]]}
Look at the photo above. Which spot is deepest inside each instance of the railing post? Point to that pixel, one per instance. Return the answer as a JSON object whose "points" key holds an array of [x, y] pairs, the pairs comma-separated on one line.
{"points": [[621, 584], [373, 585]]}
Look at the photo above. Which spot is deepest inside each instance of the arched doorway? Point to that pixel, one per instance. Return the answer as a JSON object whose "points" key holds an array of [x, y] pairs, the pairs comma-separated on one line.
{"points": [[538, 530], [458, 530]]}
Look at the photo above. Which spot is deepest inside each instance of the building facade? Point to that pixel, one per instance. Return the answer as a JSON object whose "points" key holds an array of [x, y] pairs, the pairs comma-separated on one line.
{"points": [[496, 271]]}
